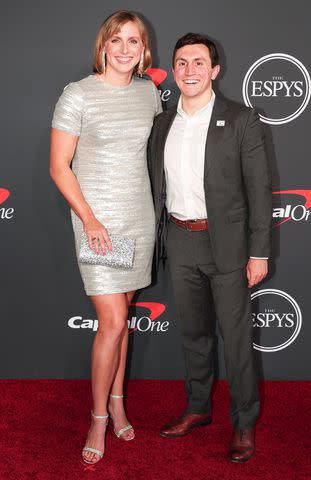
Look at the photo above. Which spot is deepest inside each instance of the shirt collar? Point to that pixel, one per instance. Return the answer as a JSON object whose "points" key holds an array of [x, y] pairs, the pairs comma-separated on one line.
{"points": [[200, 113]]}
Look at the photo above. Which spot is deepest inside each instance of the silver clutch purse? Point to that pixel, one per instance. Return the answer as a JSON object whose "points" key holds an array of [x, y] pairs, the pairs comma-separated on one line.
{"points": [[121, 256]]}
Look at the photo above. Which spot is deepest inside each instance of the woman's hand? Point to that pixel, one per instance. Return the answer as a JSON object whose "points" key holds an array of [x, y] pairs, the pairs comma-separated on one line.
{"points": [[97, 236]]}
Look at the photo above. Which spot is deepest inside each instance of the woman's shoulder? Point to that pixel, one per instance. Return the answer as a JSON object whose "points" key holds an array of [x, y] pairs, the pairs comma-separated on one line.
{"points": [[152, 92], [145, 85], [144, 82], [69, 108], [80, 86], [83, 84]]}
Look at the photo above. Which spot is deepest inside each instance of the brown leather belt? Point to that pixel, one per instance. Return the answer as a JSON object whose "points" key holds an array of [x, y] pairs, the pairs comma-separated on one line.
{"points": [[191, 225]]}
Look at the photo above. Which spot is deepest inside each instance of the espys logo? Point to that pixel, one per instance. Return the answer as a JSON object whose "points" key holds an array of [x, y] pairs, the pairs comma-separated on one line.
{"points": [[277, 320], [296, 206], [158, 76], [143, 323], [278, 85], [5, 213]]}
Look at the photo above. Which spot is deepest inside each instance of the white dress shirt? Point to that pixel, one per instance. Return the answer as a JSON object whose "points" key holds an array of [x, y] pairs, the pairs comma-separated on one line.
{"points": [[184, 158]]}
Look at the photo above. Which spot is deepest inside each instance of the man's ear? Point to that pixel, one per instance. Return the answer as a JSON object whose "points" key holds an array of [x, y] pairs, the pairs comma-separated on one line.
{"points": [[215, 72]]}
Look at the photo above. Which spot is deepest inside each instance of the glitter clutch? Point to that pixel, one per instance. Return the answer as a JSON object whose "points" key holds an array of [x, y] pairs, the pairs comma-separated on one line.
{"points": [[121, 256]]}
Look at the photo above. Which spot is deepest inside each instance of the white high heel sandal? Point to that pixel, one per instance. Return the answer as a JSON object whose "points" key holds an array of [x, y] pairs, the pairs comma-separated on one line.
{"points": [[123, 429], [94, 450]]}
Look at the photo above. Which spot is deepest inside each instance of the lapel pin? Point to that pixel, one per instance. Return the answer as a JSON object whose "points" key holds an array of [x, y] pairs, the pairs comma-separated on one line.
{"points": [[220, 123]]}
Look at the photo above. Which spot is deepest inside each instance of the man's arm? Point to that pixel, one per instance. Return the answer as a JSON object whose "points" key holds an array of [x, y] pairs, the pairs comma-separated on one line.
{"points": [[151, 151], [257, 180]]}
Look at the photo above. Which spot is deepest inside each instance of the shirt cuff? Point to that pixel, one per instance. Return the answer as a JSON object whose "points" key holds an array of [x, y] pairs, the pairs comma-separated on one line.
{"points": [[260, 258]]}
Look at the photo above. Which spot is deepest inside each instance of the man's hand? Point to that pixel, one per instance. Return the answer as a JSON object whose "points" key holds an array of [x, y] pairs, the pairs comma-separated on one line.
{"points": [[256, 271]]}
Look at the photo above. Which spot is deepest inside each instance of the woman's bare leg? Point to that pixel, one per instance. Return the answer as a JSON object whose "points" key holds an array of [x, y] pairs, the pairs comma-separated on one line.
{"points": [[112, 324], [116, 405]]}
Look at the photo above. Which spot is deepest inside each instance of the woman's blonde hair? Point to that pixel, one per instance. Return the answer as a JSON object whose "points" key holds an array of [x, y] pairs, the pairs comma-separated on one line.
{"points": [[110, 27]]}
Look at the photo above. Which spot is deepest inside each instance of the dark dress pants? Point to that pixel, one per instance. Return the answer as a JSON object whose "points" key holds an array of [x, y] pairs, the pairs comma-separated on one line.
{"points": [[194, 275]]}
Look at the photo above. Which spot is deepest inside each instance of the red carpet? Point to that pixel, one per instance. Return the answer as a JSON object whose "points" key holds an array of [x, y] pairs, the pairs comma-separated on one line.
{"points": [[44, 424]]}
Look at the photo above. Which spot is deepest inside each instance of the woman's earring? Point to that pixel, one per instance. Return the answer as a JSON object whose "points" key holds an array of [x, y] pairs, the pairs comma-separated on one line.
{"points": [[104, 61], [141, 65]]}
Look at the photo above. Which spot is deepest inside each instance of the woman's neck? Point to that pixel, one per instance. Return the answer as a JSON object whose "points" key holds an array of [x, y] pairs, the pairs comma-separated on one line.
{"points": [[115, 78]]}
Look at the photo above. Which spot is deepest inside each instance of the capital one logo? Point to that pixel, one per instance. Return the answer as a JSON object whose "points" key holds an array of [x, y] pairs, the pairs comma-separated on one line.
{"points": [[296, 207], [5, 213], [277, 320], [158, 76], [147, 320], [278, 86]]}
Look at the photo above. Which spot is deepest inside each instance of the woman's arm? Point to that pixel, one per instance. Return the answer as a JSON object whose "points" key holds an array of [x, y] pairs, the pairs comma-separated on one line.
{"points": [[63, 146]]}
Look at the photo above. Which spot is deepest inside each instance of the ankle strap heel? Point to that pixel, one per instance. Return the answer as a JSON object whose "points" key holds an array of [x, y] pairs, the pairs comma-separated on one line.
{"points": [[91, 449], [120, 432], [99, 417]]}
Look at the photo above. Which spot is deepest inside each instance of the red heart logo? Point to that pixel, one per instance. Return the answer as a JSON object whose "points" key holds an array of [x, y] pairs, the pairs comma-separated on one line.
{"points": [[156, 309], [4, 194], [157, 75]]}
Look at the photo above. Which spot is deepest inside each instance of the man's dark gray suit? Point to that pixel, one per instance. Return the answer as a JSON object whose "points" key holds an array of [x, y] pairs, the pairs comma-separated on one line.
{"points": [[237, 187]]}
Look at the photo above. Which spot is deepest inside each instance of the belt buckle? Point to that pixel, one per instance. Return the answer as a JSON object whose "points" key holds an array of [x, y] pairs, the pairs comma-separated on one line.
{"points": [[189, 222]]}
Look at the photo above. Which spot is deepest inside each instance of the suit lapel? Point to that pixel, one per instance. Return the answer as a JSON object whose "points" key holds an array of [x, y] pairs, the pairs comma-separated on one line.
{"points": [[215, 133], [165, 127]]}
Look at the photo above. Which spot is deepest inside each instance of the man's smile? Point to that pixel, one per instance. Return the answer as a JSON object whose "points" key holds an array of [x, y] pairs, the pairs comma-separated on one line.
{"points": [[191, 82]]}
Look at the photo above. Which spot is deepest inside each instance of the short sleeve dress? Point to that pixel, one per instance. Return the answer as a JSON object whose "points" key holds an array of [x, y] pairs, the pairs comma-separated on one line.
{"points": [[113, 124]]}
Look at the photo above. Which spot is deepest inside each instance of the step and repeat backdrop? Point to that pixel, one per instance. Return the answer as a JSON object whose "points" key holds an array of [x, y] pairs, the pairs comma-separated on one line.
{"points": [[47, 322]]}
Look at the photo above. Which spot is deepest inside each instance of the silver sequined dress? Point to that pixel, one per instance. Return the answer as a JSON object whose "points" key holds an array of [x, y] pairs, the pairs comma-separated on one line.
{"points": [[113, 124]]}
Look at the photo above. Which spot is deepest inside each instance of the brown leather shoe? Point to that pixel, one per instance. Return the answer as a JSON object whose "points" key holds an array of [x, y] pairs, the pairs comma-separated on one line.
{"points": [[184, 424], [243, 445]]}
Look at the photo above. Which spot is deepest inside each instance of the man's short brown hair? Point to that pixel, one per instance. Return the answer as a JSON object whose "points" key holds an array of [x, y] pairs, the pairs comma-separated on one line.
{"points": [[195, 39]]}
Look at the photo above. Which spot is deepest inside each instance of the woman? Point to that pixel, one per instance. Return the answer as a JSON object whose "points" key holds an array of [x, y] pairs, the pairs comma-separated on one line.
{"points": [[102, 123]]}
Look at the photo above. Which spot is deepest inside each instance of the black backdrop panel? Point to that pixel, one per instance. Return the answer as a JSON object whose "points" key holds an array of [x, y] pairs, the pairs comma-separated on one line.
{"points": [[47, 321]]}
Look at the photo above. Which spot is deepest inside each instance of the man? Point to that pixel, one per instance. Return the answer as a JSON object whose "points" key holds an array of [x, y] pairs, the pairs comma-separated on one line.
{"points": [[210, 178]]}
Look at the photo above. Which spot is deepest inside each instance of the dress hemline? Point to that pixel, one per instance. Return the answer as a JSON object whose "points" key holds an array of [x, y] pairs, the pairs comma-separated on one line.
{"points": [[90, 293]]}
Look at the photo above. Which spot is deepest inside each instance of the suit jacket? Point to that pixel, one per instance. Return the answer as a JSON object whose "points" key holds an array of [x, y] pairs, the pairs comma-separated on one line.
{"points": [[237, 184]]}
